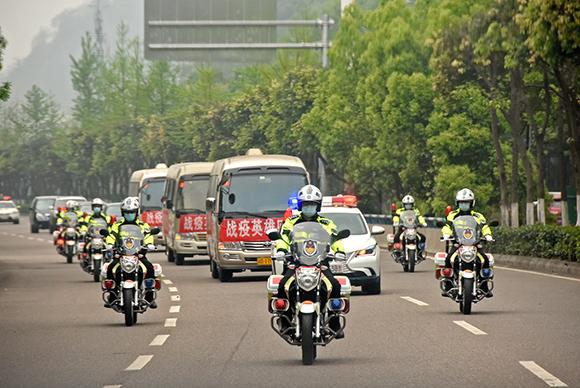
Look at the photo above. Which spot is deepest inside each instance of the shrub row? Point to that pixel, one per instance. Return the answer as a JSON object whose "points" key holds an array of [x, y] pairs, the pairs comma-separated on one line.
{"points": [[548, 241]]}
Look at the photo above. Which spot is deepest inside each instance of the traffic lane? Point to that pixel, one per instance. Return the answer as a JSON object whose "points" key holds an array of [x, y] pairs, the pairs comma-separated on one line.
{"points": [[54, 321], [223, 338], [536, 317]]}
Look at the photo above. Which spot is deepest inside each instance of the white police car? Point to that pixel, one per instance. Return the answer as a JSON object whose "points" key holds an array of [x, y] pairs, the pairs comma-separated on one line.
{"points": [[363, 256]]}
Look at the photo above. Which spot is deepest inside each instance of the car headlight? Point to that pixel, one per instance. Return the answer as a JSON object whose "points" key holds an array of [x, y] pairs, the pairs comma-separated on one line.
{"points": [[129, 263], [41, 217], [367, 251], [232, 245], [468, 254]]}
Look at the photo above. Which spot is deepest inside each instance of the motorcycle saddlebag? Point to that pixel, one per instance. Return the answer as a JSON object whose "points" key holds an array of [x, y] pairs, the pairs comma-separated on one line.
{"points": [[345, 287], [272, 285]]}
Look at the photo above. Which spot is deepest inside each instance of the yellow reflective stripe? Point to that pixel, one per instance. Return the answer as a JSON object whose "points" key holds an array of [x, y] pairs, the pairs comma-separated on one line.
{"points": [[288, 284], [328, 284]]}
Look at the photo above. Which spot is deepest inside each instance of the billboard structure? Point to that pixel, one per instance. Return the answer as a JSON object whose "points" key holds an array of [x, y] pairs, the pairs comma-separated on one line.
{"points": [[221, 31]]}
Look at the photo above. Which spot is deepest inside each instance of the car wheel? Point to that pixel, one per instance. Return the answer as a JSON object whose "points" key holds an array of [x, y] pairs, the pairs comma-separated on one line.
{"points": [[33, 228], [373, 288], [179, 259], [170, 255], [16, 222], [224, 274], [213, 269]]}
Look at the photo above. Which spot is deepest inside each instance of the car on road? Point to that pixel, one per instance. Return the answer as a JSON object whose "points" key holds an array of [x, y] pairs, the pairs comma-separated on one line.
{"points": [[363, 255], [59, 204], [39, 212], [9, 212]]}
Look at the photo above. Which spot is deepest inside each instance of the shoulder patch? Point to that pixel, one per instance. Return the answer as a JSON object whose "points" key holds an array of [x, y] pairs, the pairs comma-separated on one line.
{"points": [[324, 221]]}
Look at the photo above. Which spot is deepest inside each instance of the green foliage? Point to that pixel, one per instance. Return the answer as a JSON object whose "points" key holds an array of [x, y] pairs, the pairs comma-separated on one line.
{"points": [[4, 87], [547, 241]]}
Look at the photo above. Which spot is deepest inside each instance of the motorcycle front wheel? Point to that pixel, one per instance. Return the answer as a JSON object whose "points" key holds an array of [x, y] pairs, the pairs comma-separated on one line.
{"points": [[69, 257], [467, 299], [97, 273], [412, 257], [308, 349], [128, 306]]}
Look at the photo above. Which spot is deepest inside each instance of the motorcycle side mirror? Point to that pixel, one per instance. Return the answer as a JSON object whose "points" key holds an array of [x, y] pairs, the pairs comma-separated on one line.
{"points": [[494, 223], [104, 232], [232, 198], [209, 203], [155, 231], [273, 234], [440, 224], [169, 204], [342, 234]]}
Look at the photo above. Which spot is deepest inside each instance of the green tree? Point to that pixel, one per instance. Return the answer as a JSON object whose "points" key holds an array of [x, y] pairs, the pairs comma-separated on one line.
{"points": [[4, 87]]}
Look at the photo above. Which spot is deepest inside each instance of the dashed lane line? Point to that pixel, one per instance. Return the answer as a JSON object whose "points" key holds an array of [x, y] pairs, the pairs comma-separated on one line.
{"points": [[543, 374], [470, 328], [174, 309], [167, 281], [413, 300], [175, 298], [159, 340], [112, 386], [172, 289], [170, 322], [537, 273], [140, 362]]}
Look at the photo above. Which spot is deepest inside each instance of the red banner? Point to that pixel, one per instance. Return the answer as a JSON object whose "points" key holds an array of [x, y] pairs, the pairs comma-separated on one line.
{"points": [[248, 229], [192, 223], [153, 217]]}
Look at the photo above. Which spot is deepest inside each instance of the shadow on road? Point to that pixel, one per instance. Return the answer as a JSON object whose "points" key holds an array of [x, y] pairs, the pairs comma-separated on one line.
{"points": [[321, 360]]}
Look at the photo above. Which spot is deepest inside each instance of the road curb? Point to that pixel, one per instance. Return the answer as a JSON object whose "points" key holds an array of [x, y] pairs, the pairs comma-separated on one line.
{"points": [[549, 266]]}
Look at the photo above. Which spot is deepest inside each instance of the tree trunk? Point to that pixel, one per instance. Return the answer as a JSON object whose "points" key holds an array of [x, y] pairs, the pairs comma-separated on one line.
{"points": [[503, 190], [514, 119], [563, 168], [529, 181]]}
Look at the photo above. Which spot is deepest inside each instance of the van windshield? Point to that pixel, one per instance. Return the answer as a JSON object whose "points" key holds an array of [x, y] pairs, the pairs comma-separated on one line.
{"points": [[44, 204], [191, 194], [151, 193], [259, 194]]}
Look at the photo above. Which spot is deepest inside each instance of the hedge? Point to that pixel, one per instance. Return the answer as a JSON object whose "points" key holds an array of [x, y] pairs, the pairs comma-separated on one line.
{"points": [[547, 241]]}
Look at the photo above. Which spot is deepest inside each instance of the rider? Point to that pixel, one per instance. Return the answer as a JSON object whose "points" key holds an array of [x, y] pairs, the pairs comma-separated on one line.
{"points": [[130, 213], [409, 204], [465, 202], [71, 206], [309, 204], [97, 206]]}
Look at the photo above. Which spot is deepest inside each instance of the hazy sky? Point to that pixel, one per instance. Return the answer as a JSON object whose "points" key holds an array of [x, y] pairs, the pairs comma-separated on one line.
{"points": [[22, 20]]}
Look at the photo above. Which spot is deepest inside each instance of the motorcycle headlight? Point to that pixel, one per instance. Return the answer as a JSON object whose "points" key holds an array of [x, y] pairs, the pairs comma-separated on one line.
{"points": [[307, 280], [468, 254], [129, 263], [411, 233], [70, 232], [233, 245], [97, 243]]}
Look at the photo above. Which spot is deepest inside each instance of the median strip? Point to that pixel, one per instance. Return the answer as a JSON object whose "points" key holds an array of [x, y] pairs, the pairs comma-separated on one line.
{"points": [[140, 362], [470, 328], [543, 374], [415, 301], [159, 340]]}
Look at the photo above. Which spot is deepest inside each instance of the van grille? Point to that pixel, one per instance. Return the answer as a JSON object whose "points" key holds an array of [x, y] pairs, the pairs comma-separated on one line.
{"points": [[201, 236], [256, 245]]}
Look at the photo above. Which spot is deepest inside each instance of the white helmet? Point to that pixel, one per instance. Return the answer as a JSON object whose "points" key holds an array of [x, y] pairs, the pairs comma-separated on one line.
{"points": [[309, 193], [72, 204], [98, 202], [407, 199], [465, 195], [130, 204]]}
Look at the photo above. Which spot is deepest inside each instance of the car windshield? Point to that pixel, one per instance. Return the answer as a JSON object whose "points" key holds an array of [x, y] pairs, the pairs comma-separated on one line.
{"points": [[62, 202], [6, 205], [151, 193], [408, 219], [191, 194], [466, 230], [351, 221], [310, 242], [114, 209], [259, 194], [44, 204]]}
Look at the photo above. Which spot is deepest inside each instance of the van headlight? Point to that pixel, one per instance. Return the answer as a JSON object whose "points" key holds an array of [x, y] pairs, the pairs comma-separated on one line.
{"points": [[184, 236], [231, 246]]}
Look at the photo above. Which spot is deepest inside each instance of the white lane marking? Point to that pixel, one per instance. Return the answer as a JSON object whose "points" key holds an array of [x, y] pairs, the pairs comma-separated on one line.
{"points": [[175, 298], [413, 300], [29, 238], [39, 239], [472, 329], [172, 289], [112, 386], [538, 273], [159, 340], [167, 281], [546, 376], [140, 362], [170, 322], [174, 309]]}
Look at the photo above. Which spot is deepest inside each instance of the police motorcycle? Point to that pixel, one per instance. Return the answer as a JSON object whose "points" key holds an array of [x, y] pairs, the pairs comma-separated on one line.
{"points": [[302, 319], [406, 252], [93, 257], [469, 283], [129, 297], [68, 236]]}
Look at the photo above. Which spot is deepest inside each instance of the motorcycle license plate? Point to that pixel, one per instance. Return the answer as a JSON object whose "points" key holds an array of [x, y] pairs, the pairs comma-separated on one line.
{"points": [[264, 261], [70, 242], [411, 246]]}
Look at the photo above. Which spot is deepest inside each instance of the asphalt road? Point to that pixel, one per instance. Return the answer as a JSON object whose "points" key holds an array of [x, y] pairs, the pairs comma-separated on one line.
{"points": [[54, 331]]}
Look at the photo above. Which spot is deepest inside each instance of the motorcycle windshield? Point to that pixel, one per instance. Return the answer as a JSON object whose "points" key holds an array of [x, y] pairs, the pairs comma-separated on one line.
{"points": [[467, 230], [71, 219], [408, 219], [96, 226], [310, 243], [131, 238]]}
